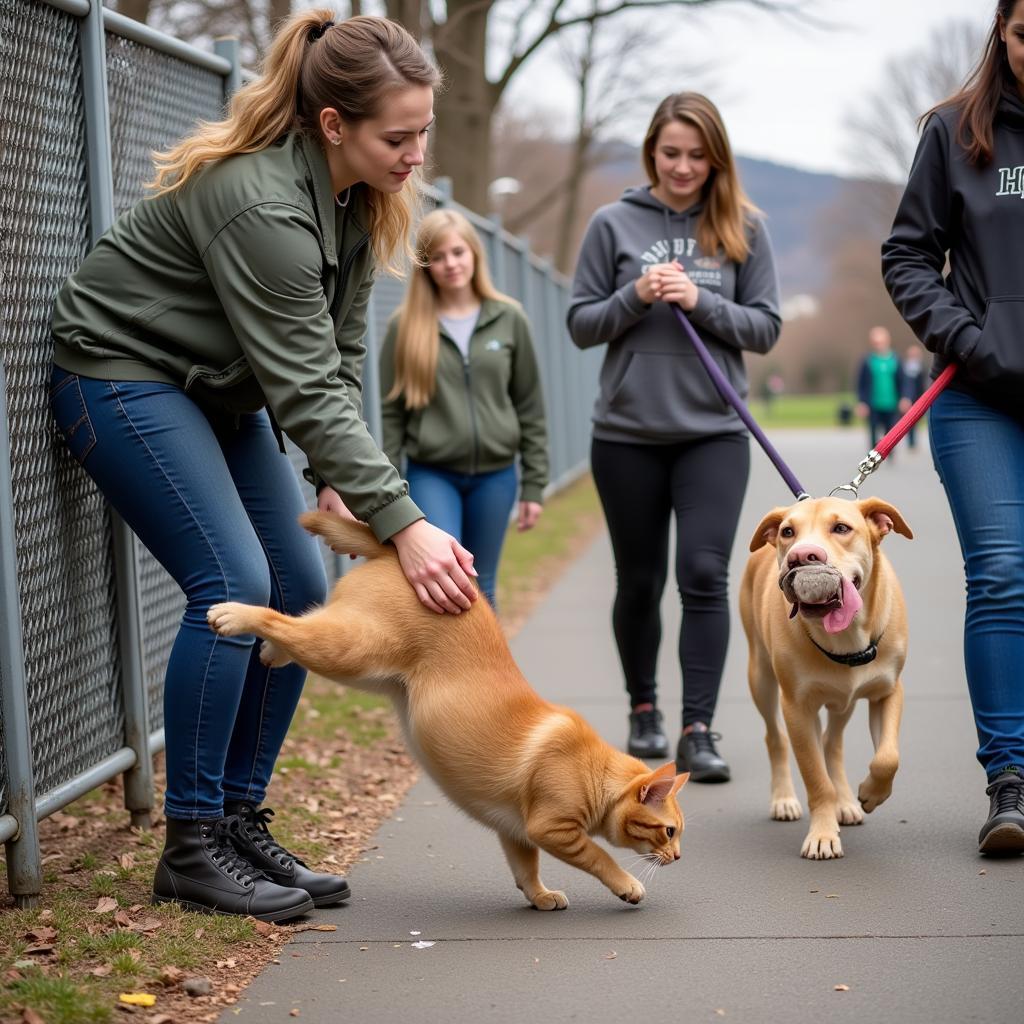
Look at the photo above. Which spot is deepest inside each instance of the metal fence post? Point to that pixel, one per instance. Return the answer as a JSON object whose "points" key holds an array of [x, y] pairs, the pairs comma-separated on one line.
{"points": [[138, 780], [24, 869], [227, 47]]}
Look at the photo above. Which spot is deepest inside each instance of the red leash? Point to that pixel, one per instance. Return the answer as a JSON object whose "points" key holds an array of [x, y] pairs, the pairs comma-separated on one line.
{"points": [[880, 452]]}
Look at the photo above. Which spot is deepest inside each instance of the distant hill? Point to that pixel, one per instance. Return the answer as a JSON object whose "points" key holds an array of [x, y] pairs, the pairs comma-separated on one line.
{"points": [[794, 202]]}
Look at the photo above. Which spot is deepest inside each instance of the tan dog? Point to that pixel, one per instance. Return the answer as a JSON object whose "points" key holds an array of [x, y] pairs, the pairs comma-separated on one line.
{"points": [[535, 772], [826, 625]]}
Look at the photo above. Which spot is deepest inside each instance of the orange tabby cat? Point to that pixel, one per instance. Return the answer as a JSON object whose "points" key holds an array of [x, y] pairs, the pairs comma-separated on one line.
{"points": [[535, 772]]}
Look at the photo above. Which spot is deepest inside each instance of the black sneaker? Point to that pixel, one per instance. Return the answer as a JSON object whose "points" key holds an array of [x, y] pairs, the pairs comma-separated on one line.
{"points": [[697, 755], [1003, 834], [255, 843], [646, 736]]}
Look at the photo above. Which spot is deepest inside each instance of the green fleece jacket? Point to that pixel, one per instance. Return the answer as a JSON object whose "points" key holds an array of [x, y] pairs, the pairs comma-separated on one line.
{"points": [[485, 409], [248, 287]]}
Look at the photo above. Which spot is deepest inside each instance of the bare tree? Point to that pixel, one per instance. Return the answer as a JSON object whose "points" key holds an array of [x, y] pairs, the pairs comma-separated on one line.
{"points": [[883, 130], [460, 31]]}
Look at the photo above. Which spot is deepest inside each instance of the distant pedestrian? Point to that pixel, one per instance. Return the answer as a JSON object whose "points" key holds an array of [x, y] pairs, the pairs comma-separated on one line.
{"points": [[664, 441], [963, 205], [879, 386], [915, 382], [462, 396]]}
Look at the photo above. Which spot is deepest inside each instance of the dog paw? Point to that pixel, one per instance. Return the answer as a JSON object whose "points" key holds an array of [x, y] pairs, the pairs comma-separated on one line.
{"points": [[849, 812], [786, 808], [228, 619], [271, 656], [872, 793], [822, 845], [632, 892], [550, 899]]}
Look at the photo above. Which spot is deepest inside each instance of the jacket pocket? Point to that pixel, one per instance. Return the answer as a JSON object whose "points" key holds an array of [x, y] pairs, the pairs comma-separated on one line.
{"points": [[72, 416], [233, 389], [665, 395], [997, 359]]}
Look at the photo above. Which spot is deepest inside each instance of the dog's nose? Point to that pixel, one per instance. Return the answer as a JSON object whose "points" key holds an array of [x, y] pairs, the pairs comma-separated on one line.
{"points": [[806, 554]]}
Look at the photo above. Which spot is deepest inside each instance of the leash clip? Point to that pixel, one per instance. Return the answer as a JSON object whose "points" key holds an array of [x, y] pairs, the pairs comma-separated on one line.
{"points": [[865, 468]]}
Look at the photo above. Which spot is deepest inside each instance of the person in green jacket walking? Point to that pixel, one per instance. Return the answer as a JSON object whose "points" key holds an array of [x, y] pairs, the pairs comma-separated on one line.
{"points": [[240, 286], [462, 395]]}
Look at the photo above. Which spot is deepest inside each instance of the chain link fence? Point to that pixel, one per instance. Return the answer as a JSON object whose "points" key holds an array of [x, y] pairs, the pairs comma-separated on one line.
{"points": [[88, 615]]}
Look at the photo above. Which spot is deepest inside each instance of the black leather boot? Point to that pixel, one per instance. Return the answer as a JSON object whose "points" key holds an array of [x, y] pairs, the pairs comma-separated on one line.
{"points": [[1003, 834], [646, 736], [201, 870], [697, 755], [255, 843]]}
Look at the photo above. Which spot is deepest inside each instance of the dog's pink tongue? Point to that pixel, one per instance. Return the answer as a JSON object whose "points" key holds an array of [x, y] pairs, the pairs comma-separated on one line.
{"points": [[839, 618]]}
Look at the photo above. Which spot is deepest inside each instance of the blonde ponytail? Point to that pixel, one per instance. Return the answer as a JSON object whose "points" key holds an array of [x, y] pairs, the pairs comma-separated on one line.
{"points": [[315, 63]]}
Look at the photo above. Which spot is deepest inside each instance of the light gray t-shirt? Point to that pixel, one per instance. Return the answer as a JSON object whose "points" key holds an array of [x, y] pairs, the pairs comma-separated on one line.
{"points": [[460, 329]]}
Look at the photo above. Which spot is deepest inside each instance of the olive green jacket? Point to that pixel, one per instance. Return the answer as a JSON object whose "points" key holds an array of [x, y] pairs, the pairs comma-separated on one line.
{"points": [[248, 287], [485, 409]]}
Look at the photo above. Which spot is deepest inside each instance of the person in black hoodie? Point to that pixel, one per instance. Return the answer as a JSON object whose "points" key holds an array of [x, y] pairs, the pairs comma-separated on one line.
{"points": [[664, 441], [965, 201]]}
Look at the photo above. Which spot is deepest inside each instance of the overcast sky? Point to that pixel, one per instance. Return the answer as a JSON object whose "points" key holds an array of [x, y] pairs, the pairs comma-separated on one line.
{"points": [[785, 91]]}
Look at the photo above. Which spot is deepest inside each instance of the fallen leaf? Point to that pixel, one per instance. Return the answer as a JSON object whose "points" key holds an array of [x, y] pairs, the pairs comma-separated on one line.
{"points": [[230, 962], [102, 971], [841, 988], [127, 861], [171, 975], [40, 947], [137, 998], [832, 896], [43, 934], [150, 924], [104, 905], [982, 872], [610, 955], [122, 919], [264, 927], [422, 944], [293, 1013]]}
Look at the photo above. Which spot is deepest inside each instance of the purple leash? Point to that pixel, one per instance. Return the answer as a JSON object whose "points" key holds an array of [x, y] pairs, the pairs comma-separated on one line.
{"points": [[728, 392]]}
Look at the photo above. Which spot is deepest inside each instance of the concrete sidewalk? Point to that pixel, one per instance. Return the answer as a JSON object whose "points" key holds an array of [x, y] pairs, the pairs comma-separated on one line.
{"points": [[741, 929]]}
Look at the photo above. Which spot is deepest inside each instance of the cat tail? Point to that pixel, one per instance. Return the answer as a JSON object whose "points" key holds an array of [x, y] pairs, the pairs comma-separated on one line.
{"points": [[343, 536]]}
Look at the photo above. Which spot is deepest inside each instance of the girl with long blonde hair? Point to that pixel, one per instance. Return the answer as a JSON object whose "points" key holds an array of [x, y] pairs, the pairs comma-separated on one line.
{"points": [[664, 443], [238, 289], [462, 396]]}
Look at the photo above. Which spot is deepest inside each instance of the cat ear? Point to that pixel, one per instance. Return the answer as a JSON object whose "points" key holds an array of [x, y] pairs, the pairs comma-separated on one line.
{"points": [[659, 785], [681, 781]]}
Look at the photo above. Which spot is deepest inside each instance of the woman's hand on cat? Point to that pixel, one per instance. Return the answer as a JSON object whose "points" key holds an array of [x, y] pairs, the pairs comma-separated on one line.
{"points": [[529, 513], [437, 566]]}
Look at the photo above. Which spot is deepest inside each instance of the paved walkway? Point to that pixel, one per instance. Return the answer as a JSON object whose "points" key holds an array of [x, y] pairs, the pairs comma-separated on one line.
{"points": [[741, 929]]}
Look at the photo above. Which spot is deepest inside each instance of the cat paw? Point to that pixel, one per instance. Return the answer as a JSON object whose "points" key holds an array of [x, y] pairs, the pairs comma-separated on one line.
{"points": [[633, 891], [228, 619], [550, 899], [271, 656], [786, 808]]}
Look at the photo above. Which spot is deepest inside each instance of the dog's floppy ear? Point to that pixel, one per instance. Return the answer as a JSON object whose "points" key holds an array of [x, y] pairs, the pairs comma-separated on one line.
{"points": [[768, 529], [884, 517]]}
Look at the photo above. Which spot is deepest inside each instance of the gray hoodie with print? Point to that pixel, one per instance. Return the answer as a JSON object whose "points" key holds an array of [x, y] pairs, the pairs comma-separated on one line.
{"points": [[653, 387]]}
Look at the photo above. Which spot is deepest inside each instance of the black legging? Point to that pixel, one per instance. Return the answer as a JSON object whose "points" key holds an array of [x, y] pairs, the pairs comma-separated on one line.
{"points": [[640, 485]]}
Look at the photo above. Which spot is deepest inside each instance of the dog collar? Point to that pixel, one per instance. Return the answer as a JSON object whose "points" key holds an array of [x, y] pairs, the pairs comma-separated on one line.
{"points": [[864, 657]]}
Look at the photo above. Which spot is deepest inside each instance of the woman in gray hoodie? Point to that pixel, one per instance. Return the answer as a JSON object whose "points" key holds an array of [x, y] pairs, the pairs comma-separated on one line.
{"points": [[664, 441]]}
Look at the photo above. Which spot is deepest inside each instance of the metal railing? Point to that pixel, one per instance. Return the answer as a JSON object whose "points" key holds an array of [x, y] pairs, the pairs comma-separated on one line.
{"points": [[88, 615]]}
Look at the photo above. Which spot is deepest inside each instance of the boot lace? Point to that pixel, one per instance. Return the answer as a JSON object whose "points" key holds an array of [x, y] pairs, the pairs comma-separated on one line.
{"points": [[257, 828], [704, 742], [1007, 795], [647, 722], [224, 854]]}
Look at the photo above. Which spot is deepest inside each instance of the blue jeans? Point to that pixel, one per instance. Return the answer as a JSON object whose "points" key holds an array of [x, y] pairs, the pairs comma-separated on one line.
{"points": [[473, 507], [216, 503], [979, 455]]}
